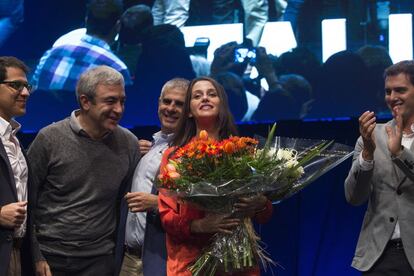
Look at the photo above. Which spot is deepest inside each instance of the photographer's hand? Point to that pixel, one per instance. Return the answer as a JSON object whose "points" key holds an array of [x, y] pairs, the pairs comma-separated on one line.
{"points": [[264, 65], [223, 58]]}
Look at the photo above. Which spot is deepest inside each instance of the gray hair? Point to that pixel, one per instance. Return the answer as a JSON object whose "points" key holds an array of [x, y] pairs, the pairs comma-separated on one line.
{"points": [[179, 83], [90, 79]]}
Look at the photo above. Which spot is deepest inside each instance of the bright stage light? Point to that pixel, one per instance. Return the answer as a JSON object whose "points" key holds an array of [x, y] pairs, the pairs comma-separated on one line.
{"points": [[218, 34], [333, 37], [400, 37], [278, 38]]}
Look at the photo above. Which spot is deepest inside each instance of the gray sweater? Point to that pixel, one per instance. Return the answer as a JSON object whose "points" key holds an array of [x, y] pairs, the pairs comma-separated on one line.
{"points": [[77, 186]]}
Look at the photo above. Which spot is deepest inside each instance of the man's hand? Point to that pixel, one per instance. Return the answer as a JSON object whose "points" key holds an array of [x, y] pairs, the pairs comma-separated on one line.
{"points": [[12, 215], [249, 206], [141, 202], [43, 269], [367, 123], [224, 60], [144, 146], [214, 223], [395, 136]]}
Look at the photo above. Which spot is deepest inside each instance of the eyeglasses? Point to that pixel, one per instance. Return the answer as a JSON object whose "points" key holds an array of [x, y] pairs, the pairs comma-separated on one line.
{"points": [[18, 85]]}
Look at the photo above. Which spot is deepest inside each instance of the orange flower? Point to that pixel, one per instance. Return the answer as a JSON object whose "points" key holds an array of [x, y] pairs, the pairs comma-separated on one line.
{"points": [[229, 148], [202, 148], [202, 152], [190, 153], [212, 149], [170, 168], [174, 175], [203, 135]]}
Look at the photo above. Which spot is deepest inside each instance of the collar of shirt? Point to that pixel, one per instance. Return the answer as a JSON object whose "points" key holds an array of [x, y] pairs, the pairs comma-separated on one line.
{"points": [[407, 139], [76, 126], [161, 137], [96, 41], [8, 128], [409, 135]]}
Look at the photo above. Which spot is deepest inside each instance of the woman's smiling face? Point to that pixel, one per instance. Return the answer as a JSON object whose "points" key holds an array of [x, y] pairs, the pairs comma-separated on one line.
{"points": [[205, 101]]}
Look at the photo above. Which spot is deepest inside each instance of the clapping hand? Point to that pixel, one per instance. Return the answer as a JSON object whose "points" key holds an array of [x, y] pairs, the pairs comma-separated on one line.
{"points": [[367, 123], [395, 135]]}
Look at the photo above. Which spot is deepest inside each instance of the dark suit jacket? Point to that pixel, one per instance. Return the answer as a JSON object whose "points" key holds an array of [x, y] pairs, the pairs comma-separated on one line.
{"points": [[8, 195]]}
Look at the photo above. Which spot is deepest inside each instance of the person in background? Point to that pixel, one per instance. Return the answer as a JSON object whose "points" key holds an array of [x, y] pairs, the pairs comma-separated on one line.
{"points": [[60, 67], [174, 12], [136, 22]]}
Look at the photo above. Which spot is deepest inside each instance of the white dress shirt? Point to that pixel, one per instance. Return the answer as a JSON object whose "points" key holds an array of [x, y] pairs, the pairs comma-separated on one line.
{"points": [[143, 180], [17, 162]]}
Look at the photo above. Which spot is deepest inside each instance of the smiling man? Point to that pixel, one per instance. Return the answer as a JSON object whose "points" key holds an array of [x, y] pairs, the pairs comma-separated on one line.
{"points": [[14, 172], [81, 167], [142, 251], [382, 173]]}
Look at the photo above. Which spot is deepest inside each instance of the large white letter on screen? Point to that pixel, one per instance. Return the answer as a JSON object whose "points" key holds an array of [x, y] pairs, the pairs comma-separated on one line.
{"points": [[333, 37], [400, 45]]}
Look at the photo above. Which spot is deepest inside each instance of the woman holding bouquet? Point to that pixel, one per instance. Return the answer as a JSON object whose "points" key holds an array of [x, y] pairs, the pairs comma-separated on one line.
{"points": [[189, 229]]}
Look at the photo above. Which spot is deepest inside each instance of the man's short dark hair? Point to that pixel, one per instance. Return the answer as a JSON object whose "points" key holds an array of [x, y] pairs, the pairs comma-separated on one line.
{"points": [[135, 23], [402, 67], [102, 15], [6, 62]]}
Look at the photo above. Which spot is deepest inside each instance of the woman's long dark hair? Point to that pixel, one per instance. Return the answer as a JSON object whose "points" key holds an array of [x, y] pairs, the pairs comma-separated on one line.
{"points": [[187, 128]]}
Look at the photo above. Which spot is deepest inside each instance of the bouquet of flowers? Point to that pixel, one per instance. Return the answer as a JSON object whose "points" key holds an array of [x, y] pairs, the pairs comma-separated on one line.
{"points": [[213, 175]]}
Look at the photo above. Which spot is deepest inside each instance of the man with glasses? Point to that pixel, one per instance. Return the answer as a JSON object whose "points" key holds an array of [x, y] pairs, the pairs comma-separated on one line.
{"points": [[82, 166], [14, 172]]}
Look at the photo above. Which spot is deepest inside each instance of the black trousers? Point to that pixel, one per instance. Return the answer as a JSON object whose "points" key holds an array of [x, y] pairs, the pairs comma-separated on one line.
{"points": [[85, 266], [393, 262]]}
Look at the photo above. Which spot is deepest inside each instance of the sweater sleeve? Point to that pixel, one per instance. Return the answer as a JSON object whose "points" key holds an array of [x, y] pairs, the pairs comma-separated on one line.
{"points": [[39, 162]]}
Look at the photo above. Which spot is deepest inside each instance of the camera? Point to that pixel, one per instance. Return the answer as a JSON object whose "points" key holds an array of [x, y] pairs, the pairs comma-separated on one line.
{"points": [[200, 47], [243, 54]]}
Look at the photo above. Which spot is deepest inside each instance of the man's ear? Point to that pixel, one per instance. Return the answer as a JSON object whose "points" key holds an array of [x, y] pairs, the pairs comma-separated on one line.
{"points": [[84, 102]]}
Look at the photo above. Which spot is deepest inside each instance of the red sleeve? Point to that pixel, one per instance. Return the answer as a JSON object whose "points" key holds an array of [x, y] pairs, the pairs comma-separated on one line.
{"points": [[176, 218], [265, 215]]}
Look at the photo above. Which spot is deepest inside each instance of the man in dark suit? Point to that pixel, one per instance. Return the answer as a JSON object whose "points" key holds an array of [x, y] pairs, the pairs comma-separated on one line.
{"points": [[14, 171]]}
